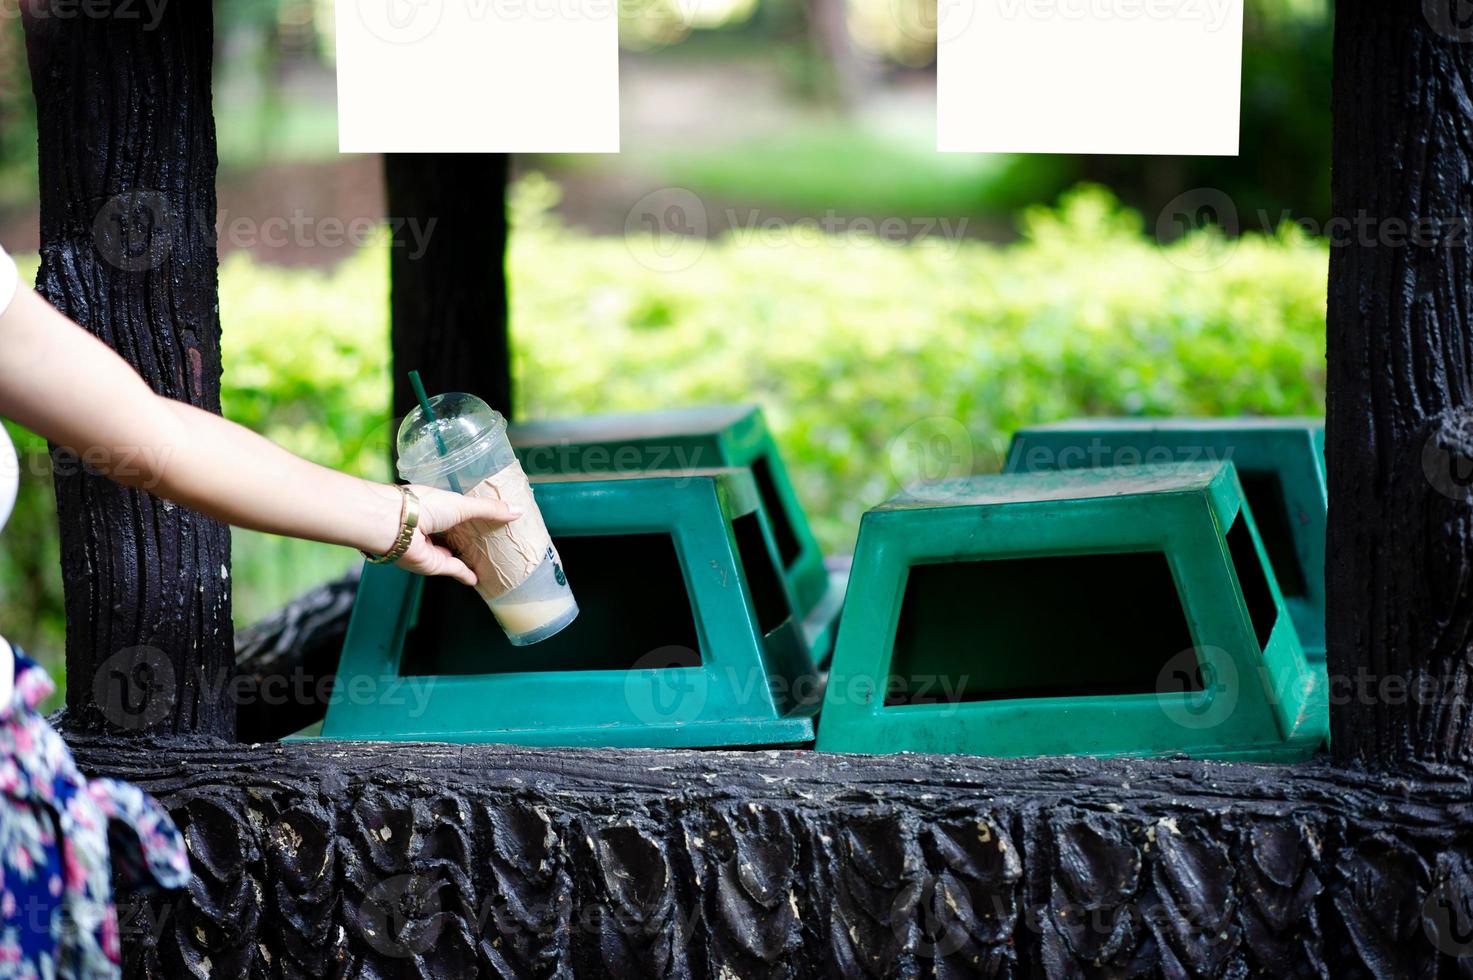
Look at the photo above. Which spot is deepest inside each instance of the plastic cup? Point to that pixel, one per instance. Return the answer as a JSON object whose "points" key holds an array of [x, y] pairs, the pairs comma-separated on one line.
{"points": [[464, 448]]}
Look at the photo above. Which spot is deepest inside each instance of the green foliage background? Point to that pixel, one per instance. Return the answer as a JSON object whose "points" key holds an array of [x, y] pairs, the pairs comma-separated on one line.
{"points": [[274, 97], [847, 341]]}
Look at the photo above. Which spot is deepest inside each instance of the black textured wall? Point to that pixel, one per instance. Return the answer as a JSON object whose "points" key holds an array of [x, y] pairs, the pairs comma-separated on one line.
{"points": [[337, 859]]}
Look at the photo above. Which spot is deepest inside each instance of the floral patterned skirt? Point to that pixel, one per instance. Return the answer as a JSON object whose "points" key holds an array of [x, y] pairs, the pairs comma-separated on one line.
{"points": [[61, 837]]}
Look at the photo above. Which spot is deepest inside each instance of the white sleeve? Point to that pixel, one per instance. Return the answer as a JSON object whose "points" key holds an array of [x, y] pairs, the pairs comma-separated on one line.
{"points": [[8, 280], [7, 670]]}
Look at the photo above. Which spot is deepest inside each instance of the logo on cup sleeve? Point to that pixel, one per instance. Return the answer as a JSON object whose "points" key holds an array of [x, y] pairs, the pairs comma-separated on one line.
{"points": [[657, 691], [1198, 687], [1197, 210], [666, 230], [135, 688], [134, 231]]}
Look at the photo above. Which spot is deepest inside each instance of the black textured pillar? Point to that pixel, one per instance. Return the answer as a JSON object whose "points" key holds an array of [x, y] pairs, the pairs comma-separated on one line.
{"points": [[127, 193], [1400, 435], [447, 268]]}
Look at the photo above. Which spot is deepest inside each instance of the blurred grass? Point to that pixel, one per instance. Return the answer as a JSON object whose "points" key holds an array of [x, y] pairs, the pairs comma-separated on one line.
{"points": [[883, 173], [847, 341], [262, 132]]}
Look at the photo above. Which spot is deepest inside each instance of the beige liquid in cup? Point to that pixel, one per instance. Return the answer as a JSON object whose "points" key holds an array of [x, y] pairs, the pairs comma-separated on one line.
{"points": [[523, 617]]}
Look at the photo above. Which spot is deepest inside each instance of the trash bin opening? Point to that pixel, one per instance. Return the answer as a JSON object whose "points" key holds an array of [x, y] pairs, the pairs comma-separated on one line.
{"points": [[764, 578], [1053, 626], [1252, 580], [782, 527], [1265, 493], [634, 611]]}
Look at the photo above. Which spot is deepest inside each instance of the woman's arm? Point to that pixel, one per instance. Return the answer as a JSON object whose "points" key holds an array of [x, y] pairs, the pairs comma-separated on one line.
{"points": [[63, 383]]}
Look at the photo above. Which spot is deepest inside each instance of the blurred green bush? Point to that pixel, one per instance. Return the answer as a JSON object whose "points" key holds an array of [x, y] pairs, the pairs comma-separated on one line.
{"points": [[847, 340]]}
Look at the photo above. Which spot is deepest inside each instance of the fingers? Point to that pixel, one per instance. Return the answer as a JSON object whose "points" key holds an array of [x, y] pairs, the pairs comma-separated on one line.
{"points": [[430, 558], [457, 569]]}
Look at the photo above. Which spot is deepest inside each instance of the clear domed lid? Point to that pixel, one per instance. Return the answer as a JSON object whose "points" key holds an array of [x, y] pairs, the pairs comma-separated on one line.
{"points": [[464, 427]]}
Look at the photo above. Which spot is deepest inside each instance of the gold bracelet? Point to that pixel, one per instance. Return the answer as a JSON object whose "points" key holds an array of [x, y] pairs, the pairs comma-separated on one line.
{"points": [[408, 521]]}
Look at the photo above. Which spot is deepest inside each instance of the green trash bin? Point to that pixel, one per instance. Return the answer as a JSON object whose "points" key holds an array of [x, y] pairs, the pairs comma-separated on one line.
{"points": [[686, 635], [1281, 465], [703, 436], [1108, 612]]}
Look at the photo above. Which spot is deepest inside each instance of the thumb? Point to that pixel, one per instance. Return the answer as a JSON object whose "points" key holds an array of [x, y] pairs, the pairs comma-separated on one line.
{"points": [[487, 509]]}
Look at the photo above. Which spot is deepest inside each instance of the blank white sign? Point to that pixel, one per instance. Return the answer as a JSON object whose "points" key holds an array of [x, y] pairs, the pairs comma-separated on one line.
{"points": [[1089, 76], [478, 76]]}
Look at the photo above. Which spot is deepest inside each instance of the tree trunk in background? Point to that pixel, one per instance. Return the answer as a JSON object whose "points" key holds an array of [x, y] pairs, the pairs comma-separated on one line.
{"points": [[833, 50], [127, 195], [1399, 428], [448, 276]]}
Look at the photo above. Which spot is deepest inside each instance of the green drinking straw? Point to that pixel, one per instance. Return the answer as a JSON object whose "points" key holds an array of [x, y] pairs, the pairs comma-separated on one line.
{"points": [[424, 404]]}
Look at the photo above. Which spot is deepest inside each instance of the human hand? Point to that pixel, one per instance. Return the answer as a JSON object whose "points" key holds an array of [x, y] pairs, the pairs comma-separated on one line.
{"points": [[439, 511]]}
